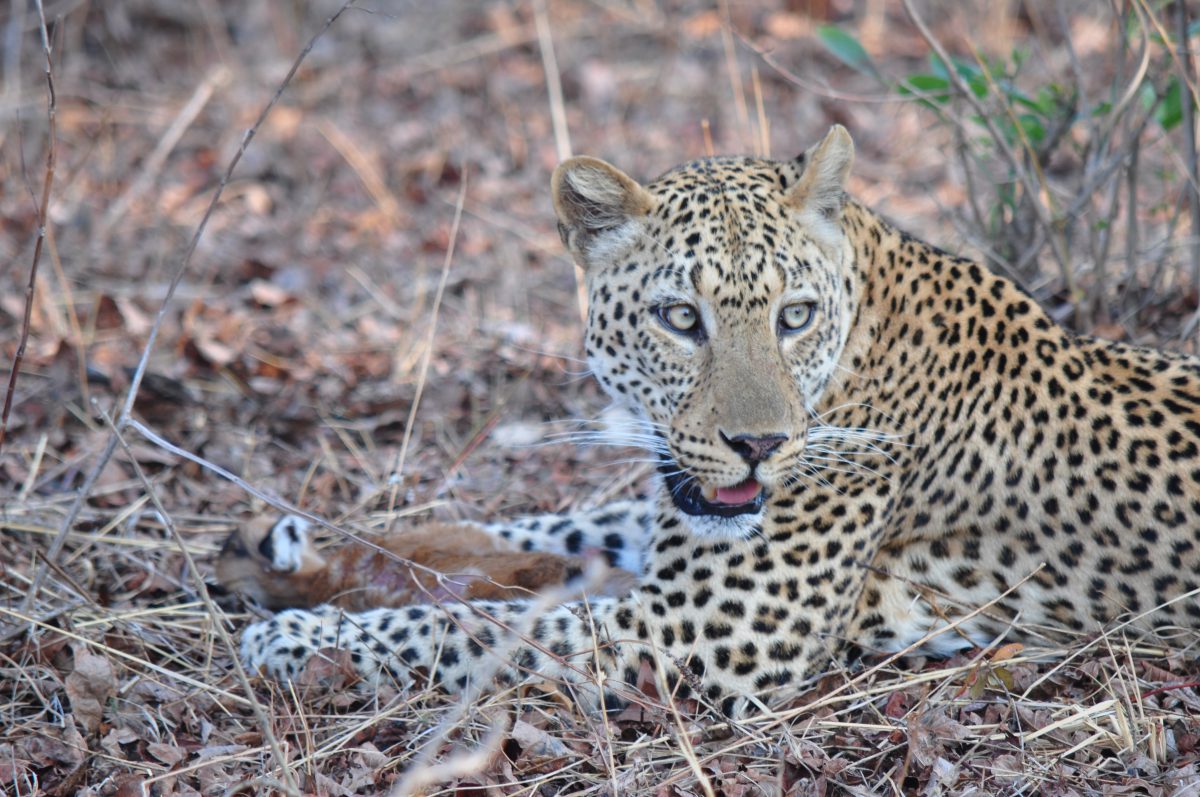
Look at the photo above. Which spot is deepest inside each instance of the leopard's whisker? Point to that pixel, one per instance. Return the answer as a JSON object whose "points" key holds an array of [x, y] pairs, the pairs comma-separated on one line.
{"points": [[854, 467], [593, 438], [866, 450], [812, 475]]}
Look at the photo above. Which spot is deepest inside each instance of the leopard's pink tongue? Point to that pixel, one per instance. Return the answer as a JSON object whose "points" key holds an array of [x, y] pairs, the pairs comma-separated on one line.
{"points": [[742, 493]]}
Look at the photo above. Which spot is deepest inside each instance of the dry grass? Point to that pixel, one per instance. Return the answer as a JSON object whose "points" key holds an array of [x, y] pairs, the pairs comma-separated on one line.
{"points": [[321, 303]]}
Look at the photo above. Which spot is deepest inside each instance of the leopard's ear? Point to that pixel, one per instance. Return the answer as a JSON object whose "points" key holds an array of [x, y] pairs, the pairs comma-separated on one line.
{"points": [[600, 209], [820, 193]]}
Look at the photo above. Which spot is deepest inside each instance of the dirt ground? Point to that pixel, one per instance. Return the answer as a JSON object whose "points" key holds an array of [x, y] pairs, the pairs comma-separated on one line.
{"points": [[321, 305]]}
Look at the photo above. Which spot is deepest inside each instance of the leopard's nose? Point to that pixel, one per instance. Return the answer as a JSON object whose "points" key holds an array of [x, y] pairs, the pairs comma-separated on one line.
{"points": [[755, 448]]}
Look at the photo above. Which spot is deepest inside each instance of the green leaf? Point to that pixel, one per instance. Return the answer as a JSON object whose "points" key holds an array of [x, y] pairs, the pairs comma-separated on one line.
{"points": [[931, 88], [1169, 112], [846, 49], [1049, 98], [1019, 98], [979, 86], [1033, 128], [967, 69], [929, 83], [975, 78]]}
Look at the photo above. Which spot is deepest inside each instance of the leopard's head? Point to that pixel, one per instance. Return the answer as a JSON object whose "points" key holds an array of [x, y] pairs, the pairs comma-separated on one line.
{"points": [[720, 300]]}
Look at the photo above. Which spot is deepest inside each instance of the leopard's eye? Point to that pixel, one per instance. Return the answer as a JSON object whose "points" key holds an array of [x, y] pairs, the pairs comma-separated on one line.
{"points": [[796, 317], [680, 317]]}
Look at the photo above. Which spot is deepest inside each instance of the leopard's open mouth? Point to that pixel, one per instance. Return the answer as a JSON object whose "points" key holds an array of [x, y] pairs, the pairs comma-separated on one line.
{"points": [[692, 499]]}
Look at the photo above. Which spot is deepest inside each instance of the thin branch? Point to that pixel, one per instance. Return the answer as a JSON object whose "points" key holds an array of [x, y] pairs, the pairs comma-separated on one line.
{"points": [[264, 722], [558, 117], [764, 126], [401, 456], [735, 76], [1131, 215], [558, 113], [42, 219]]}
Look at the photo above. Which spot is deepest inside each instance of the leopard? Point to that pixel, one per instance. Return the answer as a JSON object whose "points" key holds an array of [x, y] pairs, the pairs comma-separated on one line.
{"points": [[863, 444]]}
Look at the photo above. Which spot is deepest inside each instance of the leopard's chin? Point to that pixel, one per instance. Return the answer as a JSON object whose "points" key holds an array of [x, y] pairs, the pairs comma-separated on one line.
{"points": [[746, 498]]}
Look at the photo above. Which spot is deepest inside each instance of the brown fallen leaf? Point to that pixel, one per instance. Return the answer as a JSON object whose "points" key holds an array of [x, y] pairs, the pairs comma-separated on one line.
{"points": [[1007, 768], [1006, 652], [57, 747], [12, 768], [117, 736], [89, 686], [132, 786], [215, 352], [897, 705], [539, 750], [928, 731], [701, 25], [169, 754]]}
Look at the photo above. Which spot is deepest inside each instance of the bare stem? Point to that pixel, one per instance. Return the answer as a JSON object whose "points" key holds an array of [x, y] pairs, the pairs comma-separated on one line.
{"points": [[43, 220], [558, 116], [398, 466], [218, 621]]}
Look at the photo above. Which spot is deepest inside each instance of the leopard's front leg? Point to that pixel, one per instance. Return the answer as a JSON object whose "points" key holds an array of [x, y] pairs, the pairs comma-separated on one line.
{"points": [[458, 644], [743, 618]]}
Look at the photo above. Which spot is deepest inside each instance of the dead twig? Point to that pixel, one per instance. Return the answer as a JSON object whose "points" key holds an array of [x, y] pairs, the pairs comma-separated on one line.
{"points": [[366, 166], [264, 722], [42, 219], [735, 76], [558, 113], [558, 116], [398, 465]]}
